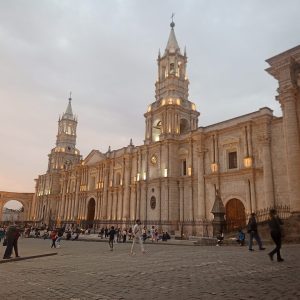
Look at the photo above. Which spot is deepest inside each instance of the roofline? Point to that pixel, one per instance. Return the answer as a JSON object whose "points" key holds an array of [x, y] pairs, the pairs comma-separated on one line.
{"points": [[280, 55]]}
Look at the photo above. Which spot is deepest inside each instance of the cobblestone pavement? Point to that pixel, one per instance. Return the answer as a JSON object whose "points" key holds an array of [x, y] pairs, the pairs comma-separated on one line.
{"points": [[88, 270]]}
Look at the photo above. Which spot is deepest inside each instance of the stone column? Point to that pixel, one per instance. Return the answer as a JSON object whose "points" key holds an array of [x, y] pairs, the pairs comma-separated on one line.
{"points": [[76, 197], [181, 202], [143, 201], [201, 213], [249, 208], [133, 202], [114, 203], [62, 204], [291, 130], [105, 192], [126, 202], [138, 200], [268, 173]]}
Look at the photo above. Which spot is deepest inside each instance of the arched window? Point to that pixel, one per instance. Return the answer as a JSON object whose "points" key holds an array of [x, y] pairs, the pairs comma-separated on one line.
{"points": [[118, 179], [172, 68], [156, 130], [184, 126]]}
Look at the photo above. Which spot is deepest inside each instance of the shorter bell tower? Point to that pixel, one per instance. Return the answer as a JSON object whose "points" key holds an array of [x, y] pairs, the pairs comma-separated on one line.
{"points": [[172, 114], [65, 153]]}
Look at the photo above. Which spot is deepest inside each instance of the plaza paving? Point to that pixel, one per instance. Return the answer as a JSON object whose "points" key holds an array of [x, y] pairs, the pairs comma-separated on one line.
{"points": [[88, 270]]}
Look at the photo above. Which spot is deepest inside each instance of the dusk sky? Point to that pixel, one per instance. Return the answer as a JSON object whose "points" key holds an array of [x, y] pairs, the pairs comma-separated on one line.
{"points": [[105, 53]]}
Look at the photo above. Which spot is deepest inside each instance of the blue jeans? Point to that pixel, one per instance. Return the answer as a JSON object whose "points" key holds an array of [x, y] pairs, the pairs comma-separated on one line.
{"points": [[254, 234]]}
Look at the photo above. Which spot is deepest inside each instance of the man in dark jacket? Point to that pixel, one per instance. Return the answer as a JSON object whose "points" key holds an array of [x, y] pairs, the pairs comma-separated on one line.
{"points": [[275, 230], [252, 230], [12, 236]]}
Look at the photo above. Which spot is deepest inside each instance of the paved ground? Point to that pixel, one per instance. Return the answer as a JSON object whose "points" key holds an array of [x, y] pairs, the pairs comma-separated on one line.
{"points": [[88, 270]]}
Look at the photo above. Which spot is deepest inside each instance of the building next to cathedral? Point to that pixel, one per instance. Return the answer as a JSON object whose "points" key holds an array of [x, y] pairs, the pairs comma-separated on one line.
{"points": [[252, 161]]}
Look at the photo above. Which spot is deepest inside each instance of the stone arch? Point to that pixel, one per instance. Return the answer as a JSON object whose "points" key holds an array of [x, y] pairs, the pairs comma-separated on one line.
{"points": [[235, 214], [26, 199], [14, 212]]}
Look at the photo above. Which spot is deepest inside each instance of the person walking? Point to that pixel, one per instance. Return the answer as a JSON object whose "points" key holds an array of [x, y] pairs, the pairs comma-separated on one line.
{"points": [[253, 233], [275, 231], [111, 237], [2, 233], [60, 234], [137, 236], [11, 237], [53, 237]]}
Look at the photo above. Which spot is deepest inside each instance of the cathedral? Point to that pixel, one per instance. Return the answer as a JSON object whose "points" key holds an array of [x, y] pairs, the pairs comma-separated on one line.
{"points": [[171, 181]]}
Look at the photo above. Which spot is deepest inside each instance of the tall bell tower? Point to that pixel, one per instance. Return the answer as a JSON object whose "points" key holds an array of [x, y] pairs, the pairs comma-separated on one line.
{"points": [[65, 153], [172, 114]]}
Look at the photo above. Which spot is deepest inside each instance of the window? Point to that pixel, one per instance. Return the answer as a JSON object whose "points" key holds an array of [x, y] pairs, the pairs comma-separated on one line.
{"points": [[184, 126], [118, 179], [172, 68], [232, 160], [92, 183], [183, 168], [153, 202]]}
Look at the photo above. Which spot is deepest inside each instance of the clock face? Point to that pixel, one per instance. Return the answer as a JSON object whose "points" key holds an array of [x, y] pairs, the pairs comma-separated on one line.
{"points": [[153, 159]]}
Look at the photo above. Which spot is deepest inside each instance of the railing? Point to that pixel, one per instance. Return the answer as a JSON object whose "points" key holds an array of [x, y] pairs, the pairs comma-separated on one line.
{"points": [[262, 215]]}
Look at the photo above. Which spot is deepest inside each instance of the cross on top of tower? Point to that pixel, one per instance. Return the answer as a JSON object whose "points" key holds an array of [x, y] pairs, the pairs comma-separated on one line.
{"points": [[172, 23]]}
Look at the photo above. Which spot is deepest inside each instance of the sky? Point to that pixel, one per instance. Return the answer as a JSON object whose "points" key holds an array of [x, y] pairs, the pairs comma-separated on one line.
{"points": [[105, 53]]}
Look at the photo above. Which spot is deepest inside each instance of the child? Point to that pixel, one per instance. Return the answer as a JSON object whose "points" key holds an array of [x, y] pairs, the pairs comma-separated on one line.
{"points": [[241, 237]]}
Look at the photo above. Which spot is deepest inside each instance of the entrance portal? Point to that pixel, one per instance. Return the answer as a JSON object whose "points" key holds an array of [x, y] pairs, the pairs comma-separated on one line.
{"points": [[235, 214], [91, 211]]}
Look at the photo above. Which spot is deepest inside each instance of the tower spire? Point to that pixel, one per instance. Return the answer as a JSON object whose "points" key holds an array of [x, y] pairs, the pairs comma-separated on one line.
{"points": [[172, 45], [69, 113]]}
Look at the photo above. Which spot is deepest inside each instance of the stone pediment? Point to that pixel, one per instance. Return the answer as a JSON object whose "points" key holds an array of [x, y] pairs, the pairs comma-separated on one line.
{"points": [[94, 157], [229, 141]]}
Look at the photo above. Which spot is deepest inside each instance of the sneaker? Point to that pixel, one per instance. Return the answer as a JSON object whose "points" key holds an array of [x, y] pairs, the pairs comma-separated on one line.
{"points": [[280, 260], [262, 248], [251, 249]]}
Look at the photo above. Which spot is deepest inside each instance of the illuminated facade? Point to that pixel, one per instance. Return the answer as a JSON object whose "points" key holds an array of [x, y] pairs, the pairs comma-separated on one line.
{"points": [[171, 180]]}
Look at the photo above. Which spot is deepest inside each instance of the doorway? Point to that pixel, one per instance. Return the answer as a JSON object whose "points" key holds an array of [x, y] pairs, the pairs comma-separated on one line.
{"points": [[91, 211], [235, 215]]}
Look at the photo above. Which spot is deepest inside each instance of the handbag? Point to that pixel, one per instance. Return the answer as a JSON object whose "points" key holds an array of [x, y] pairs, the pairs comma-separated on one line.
{"points": [[5, 242]]}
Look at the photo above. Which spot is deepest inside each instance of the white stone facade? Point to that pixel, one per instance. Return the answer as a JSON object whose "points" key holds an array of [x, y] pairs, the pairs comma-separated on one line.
{"points": [[171, 180]]}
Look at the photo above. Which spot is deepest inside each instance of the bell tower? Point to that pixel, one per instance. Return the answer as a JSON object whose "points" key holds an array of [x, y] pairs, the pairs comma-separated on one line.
{"points": [[65, 153], [172, 114]]}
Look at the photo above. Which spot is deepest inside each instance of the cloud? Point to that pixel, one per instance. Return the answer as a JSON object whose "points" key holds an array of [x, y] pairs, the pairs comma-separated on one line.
{"points": [[105, 53]]}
